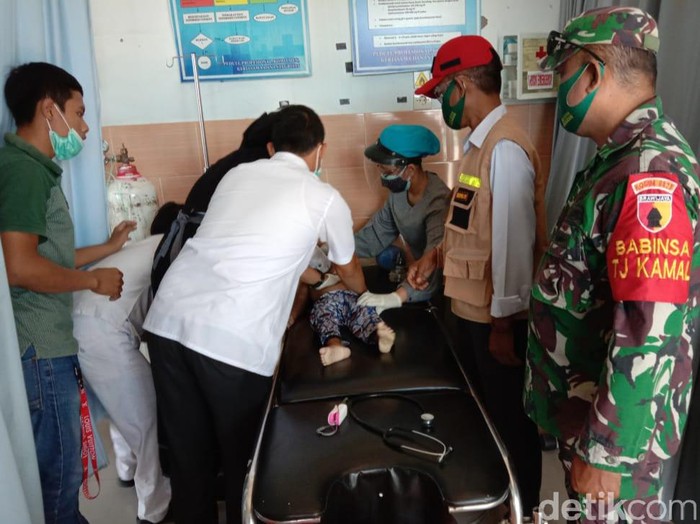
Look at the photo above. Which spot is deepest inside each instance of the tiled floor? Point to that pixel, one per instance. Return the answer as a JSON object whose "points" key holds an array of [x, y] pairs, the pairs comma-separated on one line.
{"points": [[552, 480], [117, 505]]}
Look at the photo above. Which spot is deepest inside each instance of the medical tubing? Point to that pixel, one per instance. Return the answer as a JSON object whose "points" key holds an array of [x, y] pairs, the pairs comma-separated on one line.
{"points": [[407, 434], [370, 396]]}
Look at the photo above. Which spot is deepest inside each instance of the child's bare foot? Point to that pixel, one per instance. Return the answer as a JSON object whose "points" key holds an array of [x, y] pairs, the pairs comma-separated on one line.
{"points": [[385, 337], [332, 354]]}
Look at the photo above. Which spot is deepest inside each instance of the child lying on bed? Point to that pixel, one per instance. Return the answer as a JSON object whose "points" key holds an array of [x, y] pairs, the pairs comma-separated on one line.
{"points": [[335, 306]]}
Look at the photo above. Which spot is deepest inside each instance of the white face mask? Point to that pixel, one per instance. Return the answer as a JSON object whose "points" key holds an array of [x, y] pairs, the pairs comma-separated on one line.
{"points": [[317, 169]]}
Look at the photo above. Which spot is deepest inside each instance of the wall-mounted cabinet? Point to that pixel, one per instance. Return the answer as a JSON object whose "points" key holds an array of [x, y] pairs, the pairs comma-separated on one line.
{"points": [[509, 57]]}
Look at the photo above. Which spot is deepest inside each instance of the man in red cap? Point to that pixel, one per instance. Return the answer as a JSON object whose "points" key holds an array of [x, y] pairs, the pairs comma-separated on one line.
{"points": [[494, 236]]}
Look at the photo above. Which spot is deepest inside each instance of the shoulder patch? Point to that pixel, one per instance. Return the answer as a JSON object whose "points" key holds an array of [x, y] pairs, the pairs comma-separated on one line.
{"points": [[650, 250]]}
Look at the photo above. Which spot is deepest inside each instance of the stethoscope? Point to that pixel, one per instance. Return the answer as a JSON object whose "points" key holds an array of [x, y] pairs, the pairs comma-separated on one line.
{"points": [[401, 439]]}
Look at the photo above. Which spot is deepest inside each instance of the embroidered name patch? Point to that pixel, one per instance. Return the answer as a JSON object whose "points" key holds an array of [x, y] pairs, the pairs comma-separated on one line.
{"points": [[464, 196], [650, 250]]}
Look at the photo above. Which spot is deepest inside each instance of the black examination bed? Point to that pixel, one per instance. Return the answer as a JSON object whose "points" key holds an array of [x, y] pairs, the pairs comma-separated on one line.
{"points": [[353, 477], [472, 476], [420, 360]]}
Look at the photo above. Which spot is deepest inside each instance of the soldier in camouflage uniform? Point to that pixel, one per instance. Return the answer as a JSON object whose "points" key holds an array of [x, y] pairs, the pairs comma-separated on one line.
{"points": [[615, 300]]}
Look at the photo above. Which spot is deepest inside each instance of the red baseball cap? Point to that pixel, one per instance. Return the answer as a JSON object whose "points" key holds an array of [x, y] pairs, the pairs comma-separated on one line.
{"points": [[458, 54]]}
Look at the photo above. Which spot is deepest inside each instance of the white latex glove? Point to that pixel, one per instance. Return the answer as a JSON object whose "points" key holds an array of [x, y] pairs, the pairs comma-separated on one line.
{"points": [[380, 301]]}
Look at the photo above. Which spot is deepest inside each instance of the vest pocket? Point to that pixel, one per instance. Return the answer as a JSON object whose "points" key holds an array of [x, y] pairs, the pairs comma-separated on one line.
{"points": [[467, 277], [462, 210]]}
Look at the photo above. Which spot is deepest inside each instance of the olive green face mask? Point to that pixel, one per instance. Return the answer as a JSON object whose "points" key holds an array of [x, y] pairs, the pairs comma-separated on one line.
{"points": [[571, 117], [452, 114]]}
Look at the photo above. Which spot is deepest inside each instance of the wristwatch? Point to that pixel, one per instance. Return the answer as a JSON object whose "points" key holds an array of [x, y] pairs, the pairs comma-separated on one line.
{"points": [[320, 282], [327, 280]]}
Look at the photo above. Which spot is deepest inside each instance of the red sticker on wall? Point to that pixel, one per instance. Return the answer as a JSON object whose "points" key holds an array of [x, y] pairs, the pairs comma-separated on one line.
{"points": [[650, 250]]}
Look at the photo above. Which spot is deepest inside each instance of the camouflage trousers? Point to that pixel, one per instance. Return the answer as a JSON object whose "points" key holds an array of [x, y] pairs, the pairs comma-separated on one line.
{"points": [[629, 510]]}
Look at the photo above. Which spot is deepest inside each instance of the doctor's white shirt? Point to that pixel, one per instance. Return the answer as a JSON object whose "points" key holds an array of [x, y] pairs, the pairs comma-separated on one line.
{"points": [[229, 292]]}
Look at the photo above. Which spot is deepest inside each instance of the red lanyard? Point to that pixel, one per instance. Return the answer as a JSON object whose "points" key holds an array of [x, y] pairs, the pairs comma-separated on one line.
{"points": [[87, 439]]}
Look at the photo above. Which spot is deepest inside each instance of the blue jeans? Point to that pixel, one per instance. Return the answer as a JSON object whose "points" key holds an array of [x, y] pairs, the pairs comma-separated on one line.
{"points": [[54, 405]]}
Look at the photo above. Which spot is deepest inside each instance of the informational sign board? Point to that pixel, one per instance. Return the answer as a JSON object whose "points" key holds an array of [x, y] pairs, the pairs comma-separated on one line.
{"points": [[241, 38], [391, 36], [533, 82]]}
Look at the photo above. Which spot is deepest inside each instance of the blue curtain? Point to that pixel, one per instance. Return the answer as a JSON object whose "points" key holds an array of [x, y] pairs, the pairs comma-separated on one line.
{"points": [[20, 489], [679, 67], [59, 31]]}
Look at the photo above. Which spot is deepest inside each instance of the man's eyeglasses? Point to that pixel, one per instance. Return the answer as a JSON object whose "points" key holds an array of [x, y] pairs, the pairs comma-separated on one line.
{"points": [[440, 93], [559, 50]]}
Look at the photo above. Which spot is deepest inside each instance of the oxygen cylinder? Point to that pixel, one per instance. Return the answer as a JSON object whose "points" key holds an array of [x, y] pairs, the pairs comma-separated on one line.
{"points": [[131, 197]]}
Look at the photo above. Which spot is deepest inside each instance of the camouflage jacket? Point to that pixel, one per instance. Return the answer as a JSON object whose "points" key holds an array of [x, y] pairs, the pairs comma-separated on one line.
{"points": [[615, 302]]}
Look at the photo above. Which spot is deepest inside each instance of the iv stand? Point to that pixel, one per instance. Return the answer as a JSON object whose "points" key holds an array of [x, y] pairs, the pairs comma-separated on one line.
{"points": [[200, 113], [202, 131]]}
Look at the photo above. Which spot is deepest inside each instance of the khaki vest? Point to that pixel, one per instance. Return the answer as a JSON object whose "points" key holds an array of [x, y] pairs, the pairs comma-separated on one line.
{"points": [[467, 240]]}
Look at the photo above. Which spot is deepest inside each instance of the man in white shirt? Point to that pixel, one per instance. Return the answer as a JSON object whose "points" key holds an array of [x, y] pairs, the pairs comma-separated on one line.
{"points": [[494, 236], [218, 317]]}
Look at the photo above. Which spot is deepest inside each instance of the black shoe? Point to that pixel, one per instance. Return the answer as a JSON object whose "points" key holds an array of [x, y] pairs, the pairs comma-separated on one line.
{"points": [[125, 483], [142, 521], [548, 442], [168, 518]]}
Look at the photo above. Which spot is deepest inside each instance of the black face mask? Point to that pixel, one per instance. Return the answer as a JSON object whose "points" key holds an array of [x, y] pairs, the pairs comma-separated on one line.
{"points": [[395, 183]]}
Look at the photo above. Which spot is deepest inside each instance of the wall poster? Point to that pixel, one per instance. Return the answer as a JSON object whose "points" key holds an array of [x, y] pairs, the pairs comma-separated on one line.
{"points": [[241, 38], [391, 36]]}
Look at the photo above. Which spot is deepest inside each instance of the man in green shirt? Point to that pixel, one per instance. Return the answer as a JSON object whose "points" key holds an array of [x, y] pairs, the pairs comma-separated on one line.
{"points": [[38, 244]]}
